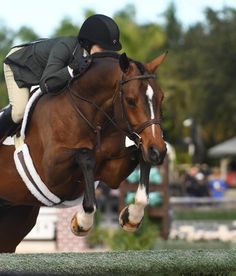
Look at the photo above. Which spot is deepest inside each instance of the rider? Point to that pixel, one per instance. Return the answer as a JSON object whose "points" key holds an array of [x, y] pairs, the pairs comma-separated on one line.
{"points": [[51, 63]]}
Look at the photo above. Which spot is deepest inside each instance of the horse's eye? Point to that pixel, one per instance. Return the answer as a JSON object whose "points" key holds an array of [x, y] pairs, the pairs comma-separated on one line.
{"points": [[130, 101]]}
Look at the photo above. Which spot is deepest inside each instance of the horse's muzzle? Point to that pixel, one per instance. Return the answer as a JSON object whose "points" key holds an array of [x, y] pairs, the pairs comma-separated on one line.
{"points": [[155, 156]]}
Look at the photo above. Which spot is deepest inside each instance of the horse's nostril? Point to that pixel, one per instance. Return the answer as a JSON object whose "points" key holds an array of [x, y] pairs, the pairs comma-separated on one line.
{"points": [[154, 154]]}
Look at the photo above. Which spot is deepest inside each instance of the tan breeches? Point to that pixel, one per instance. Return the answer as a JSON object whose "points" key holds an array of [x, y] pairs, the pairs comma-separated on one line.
{"points": [[18, 97]]}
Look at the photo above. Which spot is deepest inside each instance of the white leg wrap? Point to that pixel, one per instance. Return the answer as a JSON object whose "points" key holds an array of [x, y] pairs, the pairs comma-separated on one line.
{"points": [[141, 197], [85, 220], [136, 211]]}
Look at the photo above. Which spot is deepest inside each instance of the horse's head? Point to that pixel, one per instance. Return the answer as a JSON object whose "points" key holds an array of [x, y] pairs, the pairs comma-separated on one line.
{"points": [[136, 102], [140, 107]]}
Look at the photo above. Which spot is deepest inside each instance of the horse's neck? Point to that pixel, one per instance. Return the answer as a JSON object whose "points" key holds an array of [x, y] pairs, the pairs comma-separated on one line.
{"points": [[95, 92], [62, 115]]}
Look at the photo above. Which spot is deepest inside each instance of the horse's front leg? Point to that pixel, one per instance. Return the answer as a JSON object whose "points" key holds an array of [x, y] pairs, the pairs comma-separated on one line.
{"points": [[131, 216], [82, 221]]}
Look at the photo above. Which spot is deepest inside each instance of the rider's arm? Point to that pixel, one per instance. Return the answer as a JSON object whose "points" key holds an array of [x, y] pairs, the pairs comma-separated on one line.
{"points": [[57, 73]]}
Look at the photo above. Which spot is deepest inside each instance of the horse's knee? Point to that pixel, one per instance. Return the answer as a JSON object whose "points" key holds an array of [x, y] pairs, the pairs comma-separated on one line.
{"points": [[85, 158]]}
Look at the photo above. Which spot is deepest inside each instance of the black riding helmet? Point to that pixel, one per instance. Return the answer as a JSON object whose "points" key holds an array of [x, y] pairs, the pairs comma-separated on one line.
{"points": [[102, 30]]}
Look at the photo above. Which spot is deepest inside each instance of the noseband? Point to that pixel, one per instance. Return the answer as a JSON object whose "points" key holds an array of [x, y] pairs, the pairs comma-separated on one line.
{"points": [[134, 133]]}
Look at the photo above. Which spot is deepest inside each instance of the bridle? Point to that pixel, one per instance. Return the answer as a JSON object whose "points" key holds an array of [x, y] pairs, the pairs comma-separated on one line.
{"points": [[134, 133], [131, 133]]}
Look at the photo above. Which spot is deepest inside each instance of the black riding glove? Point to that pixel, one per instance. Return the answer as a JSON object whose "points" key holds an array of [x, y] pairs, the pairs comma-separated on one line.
{"points": [[74, 65], [79, 66]]}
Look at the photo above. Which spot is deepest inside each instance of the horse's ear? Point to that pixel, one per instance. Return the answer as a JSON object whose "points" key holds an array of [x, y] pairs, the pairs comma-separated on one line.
{"points": [[154, 64], [124, 62]]}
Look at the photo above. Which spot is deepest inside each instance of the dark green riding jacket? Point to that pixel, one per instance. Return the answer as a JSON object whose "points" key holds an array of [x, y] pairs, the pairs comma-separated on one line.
{"points": [[45, 62]]}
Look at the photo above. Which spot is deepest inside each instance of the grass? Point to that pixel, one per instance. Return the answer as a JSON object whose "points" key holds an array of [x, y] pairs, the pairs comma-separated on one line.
{"points": [[158, 262]]}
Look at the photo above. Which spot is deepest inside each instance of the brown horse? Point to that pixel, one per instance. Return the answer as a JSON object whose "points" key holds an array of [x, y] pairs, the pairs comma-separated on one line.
{"points": [[78, 137]]}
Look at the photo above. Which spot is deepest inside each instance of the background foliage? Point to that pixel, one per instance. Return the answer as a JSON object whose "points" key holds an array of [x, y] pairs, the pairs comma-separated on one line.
{"points": [[117, 239], [198, 77]]}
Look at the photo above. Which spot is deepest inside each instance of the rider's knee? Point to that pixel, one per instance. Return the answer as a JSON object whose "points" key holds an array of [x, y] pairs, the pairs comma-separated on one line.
{"points": [[17, 114]]}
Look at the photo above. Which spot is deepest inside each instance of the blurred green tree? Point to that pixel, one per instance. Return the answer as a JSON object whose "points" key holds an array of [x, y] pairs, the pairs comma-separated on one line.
{"points": [[26, 34], [66, 28], [6, 40]]}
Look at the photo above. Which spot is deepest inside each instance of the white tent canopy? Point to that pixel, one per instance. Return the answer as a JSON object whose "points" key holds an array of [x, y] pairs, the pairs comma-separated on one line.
{"points": [[227, 148]]}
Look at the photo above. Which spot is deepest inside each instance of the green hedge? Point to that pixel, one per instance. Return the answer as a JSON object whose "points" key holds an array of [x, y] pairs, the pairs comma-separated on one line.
{"points": [[160, 262], [118, 239]]}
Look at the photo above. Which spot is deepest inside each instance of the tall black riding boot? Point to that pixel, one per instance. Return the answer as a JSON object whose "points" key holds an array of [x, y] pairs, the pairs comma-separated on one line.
{"points": [[7, 126]]}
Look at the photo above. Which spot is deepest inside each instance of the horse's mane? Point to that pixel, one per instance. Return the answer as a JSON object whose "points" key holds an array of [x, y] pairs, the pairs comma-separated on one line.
{"points": [[105, 54], [102, 55], [115, 55]]}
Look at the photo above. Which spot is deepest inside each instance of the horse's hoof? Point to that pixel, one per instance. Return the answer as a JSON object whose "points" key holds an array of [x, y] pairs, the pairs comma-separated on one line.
{"points": [[125, 223], [78, 230]]}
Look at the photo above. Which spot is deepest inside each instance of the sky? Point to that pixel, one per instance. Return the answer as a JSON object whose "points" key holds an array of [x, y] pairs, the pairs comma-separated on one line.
{"points": [[44, 16]]}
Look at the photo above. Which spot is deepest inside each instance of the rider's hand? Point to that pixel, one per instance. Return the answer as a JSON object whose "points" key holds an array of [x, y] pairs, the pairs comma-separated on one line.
{"points": [[79, 66], [75, 64]]}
